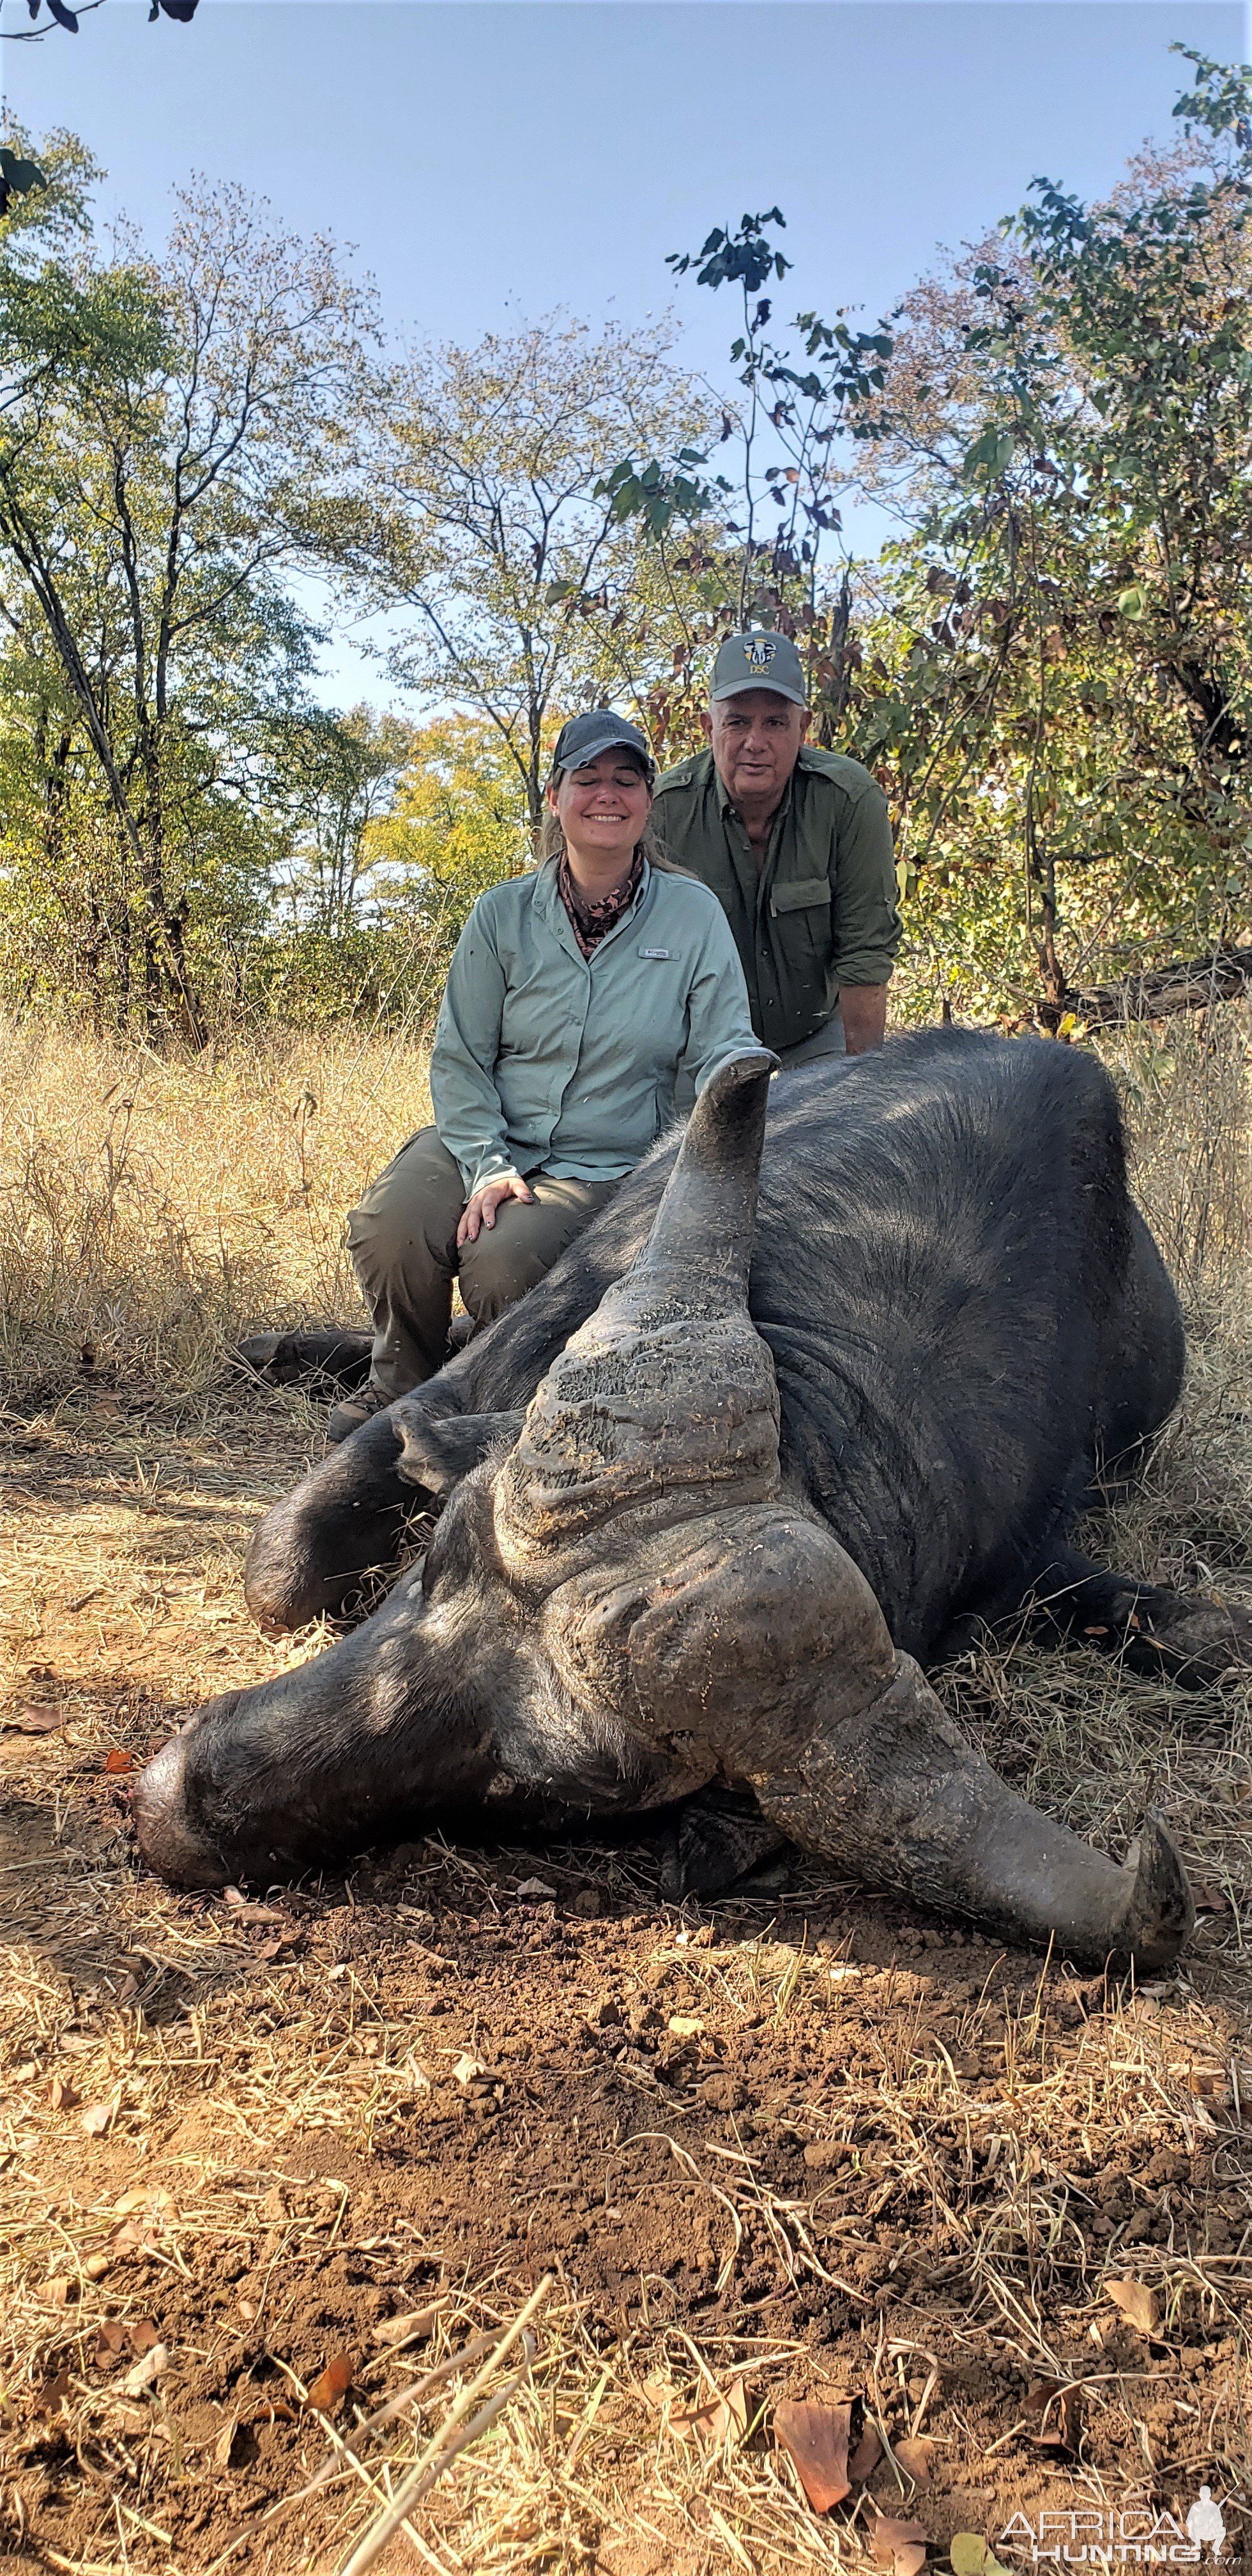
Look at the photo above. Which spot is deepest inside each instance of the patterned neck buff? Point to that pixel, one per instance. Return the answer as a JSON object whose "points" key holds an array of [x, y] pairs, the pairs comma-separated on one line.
{"points": [[590, 921]]}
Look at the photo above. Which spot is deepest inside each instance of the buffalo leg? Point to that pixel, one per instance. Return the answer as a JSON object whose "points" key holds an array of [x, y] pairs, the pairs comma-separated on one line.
{"points": [[1157, 1632]]}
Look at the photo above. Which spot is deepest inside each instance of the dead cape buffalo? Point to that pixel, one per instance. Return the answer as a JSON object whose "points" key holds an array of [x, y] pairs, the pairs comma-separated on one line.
{"points": [[733, 1519]]}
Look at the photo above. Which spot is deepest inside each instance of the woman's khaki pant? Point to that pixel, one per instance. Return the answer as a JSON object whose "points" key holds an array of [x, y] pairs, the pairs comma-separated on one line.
{"points": [[403, 1243]]}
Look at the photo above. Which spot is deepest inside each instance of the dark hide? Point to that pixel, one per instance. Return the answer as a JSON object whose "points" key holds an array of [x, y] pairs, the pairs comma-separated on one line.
{"points": [[673, 1518], [965, 1312]]}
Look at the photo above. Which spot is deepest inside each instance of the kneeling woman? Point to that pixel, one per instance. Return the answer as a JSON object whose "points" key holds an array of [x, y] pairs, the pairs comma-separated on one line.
{"points": [[578, 994]]}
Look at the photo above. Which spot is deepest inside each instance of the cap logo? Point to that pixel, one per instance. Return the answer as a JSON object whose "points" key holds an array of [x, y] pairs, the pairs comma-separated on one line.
{"points": [[759, 651]]}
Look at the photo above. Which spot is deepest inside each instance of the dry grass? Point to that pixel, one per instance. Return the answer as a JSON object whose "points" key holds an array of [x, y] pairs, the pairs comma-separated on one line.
{"points": [[805, 2141], [152, 1209]]}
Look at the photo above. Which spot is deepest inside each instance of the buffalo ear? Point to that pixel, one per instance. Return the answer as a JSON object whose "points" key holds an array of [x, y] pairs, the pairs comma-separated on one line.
{"points": [[439, 1454]]}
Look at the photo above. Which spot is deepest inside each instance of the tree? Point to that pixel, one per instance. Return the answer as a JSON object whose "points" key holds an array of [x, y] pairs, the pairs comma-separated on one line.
{"points": [[336, 778], [487, 515], [761, 542], [458, 824], [61, 15], [165, 430], [1055, 678]]}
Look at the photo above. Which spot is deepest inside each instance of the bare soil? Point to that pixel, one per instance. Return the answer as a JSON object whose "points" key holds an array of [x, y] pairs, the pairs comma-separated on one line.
{"points": [[806, 2139]]}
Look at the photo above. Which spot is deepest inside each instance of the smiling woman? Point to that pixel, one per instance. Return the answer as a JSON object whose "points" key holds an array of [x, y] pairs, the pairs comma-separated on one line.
{"points": [[579, 994]]}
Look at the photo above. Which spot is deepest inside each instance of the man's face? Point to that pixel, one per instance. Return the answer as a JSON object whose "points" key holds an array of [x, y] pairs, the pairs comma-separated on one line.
{"points": [[756, 740]]}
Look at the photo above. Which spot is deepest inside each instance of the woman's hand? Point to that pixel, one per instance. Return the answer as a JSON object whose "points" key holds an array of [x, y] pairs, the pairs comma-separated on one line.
{"points": [[481, 1209]]}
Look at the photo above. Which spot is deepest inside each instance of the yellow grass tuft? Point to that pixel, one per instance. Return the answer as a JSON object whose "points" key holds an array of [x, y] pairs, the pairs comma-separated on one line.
{"points": [[153, 1209]]}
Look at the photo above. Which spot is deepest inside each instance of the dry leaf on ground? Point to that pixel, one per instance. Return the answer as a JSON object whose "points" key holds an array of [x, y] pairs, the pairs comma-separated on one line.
{"points": [[96, 2119], [1136, 2302], [866, 2456], [901, 2546], [34, 1721], [534, 1887], [1054, 2405], [722, 2415], [971, 2556], [146, 2372], [62, 2096], [119, 1759], [915, 2456], [408, 2329], [816, 2439], [333, 2382]]}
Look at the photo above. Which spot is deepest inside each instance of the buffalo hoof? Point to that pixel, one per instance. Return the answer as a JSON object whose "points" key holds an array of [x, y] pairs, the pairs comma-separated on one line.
{"points": [[1204, 1643], [329, 1360]]}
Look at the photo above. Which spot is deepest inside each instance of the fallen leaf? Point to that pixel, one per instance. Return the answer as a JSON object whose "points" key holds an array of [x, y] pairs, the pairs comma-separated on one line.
{"points": [[816, 2438], [34, 1721], [899, 2545], [685, 2025], [288, 1939], [407, 2329], [865, 2458], [97, 2265], [720, 2416], [244, 1912], [56, 2292], [1209, 1899], [144, 2334], [62, 2096], [915, 2456], [150, 2196], [333, 2382], [225, 2443], [466, 2068], [1055, 2402], [146, 2372], [111, 2340], [119, 1759], [971, 2556], [534, 1887], [96, 2119], [1136, 2303], [54, 2394]]}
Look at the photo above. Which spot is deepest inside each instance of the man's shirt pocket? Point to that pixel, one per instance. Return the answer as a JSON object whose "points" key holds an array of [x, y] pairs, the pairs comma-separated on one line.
{"points": [[802, 895]]}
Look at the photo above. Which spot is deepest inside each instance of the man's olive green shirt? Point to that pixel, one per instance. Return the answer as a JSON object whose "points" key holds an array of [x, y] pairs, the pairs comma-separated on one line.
{"points": [[821, 913]]}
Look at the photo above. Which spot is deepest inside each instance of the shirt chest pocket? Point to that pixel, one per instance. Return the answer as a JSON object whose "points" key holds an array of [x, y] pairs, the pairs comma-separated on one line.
{"points": [[805, 894], [802, 912]]}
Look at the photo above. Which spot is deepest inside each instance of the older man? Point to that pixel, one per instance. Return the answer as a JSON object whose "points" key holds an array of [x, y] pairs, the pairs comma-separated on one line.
{"points": [[796, 845]]}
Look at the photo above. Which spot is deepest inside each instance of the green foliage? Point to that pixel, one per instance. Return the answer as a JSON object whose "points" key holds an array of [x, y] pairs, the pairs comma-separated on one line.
{"points": [[1054, 669], [164, 431]]}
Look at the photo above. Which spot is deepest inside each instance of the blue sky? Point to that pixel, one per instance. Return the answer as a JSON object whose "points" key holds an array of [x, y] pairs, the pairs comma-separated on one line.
{"points": [[493, 159]]}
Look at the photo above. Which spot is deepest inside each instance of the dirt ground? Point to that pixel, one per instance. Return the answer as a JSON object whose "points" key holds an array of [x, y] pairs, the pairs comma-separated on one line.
{"points": [[265, 2164]]}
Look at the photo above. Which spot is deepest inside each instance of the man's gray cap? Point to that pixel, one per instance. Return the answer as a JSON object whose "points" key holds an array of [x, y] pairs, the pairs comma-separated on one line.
{"points": [[585, 737], [759, 662]]}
